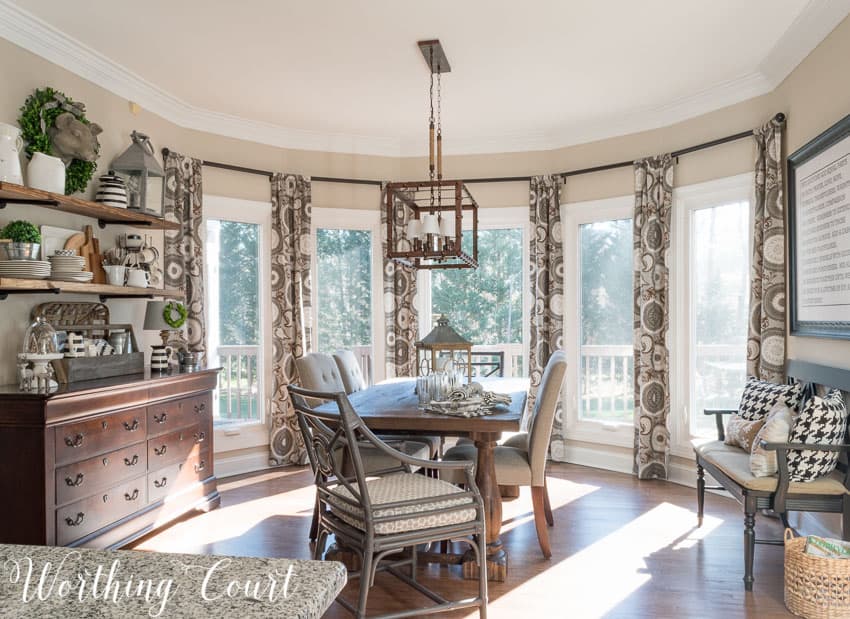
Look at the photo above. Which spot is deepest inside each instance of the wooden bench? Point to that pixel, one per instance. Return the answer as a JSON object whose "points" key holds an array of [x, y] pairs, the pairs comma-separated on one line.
{"points": [[729, 466]]}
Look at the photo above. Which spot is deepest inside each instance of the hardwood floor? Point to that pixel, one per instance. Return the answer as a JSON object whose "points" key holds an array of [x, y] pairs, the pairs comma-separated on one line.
{"points": [[620, 548]]}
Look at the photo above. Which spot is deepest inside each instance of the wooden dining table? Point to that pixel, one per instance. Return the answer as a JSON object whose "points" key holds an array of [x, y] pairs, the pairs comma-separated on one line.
{"points": [[393, 406]]}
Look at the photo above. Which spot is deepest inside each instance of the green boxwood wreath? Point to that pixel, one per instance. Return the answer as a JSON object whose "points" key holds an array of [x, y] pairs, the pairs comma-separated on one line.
{"points": [[168, 314], [77, 173]]}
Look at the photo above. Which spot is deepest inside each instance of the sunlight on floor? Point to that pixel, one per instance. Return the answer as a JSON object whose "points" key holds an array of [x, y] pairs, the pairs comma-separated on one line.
{"points": [[518, 512], [609, 570]]}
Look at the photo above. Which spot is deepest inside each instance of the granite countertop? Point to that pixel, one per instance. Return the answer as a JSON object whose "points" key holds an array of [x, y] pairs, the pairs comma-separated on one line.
{"points": [[48, 581]]}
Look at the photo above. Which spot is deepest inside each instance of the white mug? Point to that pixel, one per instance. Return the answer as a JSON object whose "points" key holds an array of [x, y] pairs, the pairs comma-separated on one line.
{"points": [[138, 278], [115, 274]]}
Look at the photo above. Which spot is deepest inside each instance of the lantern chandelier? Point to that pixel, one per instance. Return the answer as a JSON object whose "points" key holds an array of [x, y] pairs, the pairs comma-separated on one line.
{"points": [[425, 219]]}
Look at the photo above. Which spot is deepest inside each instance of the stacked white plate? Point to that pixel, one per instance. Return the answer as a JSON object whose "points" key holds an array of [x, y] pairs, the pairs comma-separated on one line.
{"points": [[25, 269], [69, 269]]}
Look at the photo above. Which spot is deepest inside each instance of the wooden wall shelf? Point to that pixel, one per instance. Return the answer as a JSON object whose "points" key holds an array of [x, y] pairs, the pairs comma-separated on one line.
{"points": [[11, 285], [18, 194]]}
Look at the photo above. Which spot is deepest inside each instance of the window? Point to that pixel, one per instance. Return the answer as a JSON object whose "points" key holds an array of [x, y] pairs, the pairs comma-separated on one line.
{"points": [[486, 305], [598, 321], [713, 221], [346, 268], [237, 291], [606, 349]]}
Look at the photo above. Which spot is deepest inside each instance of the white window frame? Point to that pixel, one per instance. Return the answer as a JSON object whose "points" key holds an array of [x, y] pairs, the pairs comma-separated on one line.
{"points": [[488, 219], [687, 200], [354, 219], [253, 433], [574, 215]]}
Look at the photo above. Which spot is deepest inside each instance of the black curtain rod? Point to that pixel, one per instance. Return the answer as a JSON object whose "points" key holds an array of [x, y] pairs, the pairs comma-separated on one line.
{"points": [[780, 117]]}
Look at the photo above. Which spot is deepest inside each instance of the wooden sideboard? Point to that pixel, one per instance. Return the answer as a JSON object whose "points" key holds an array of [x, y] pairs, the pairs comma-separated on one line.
{"points": [[101, 463]]}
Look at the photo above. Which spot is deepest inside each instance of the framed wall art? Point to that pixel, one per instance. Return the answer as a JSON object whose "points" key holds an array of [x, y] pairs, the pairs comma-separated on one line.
{"points": [[819, 234]]}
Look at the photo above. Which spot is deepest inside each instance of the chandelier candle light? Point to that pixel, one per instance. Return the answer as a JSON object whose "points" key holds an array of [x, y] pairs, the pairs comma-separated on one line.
{"points": [[434, 209]]}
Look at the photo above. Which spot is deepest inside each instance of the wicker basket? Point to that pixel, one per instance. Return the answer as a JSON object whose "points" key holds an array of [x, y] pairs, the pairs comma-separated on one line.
{"points": [[815, 587]]}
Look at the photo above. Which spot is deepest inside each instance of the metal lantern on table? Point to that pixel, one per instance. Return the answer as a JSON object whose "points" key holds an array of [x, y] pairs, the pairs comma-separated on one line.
{"points": [[442, 342], [142, 174]]}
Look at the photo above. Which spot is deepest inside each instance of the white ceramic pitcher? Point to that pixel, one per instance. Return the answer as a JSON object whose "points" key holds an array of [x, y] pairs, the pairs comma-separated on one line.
{"points": [[11, 145]]}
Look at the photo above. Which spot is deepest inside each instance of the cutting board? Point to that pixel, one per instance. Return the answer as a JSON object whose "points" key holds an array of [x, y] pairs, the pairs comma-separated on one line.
{"points": [[90, 250]]}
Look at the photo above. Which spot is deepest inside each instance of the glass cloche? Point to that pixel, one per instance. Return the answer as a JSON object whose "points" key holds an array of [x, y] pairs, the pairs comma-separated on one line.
{"points": [[40, 339]]}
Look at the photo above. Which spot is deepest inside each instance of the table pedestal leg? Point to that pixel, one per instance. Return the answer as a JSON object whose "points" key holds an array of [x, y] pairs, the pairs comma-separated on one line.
{"points": [[485, 478]]}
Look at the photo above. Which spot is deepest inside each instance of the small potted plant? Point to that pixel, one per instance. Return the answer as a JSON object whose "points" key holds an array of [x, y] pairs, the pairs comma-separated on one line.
{"points": [[20, 241]]}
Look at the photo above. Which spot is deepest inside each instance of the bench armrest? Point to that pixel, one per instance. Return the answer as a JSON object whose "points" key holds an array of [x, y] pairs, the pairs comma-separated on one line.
{"points": [[782, 450], [718, 419]]}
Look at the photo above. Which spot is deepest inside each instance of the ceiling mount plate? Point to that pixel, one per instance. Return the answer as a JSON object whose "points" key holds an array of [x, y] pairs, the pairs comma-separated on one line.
{"points": [[440, 62]]}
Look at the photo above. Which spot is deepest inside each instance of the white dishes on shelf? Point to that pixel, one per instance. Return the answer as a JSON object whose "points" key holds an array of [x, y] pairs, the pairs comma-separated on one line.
{"points": [[69, 269], [25, 269]]}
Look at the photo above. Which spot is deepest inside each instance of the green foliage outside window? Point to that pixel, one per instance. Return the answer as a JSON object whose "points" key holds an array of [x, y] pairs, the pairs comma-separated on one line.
{"points": [[485, 304], [344, 288], [238, 285]]}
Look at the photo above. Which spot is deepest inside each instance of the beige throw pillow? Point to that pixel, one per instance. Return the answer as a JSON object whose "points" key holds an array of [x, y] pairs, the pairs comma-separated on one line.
{"points": [[775, 430], [742, 432]]}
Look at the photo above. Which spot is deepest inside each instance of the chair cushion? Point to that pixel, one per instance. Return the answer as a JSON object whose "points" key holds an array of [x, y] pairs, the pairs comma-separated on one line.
{"points": [[512, 465], [405, 487], [760, 396], [822, 421], [735, 463], [318, 372]]}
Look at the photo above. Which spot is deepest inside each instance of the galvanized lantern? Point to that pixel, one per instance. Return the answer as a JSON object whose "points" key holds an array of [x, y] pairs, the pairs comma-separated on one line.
{"points": [[442, 344], [142, 175]]}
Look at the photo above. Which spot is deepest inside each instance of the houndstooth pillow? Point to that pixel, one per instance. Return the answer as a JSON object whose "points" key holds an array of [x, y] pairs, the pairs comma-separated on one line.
{"points": [[761, 396], [822, 421]]}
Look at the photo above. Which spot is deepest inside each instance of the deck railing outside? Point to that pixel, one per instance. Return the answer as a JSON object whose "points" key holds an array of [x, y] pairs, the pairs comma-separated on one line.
{"points": [[239, 384]]}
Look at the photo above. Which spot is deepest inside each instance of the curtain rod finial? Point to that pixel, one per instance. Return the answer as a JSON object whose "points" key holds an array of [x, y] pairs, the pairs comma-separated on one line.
{"points": [[780, 117]]}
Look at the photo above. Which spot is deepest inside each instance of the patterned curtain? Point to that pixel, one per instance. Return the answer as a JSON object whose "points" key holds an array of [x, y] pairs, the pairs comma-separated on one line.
{"points": [[401, 315], [183, 256], [766, 340], [653, 206], [547, 288], [291, 308]]}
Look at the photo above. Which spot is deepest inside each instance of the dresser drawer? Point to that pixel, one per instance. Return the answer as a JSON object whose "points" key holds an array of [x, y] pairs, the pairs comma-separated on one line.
{"points": [[78, 441], [168, 416], [75, 481], [175, 477], [92, 513], [176, 446]]}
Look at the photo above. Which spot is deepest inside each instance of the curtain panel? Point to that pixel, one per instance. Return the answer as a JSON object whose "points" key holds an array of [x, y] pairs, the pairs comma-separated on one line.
{"points": [[183, 255], [546, 260], [766, 338], [400, 298], [291, 308], [652, 218]]}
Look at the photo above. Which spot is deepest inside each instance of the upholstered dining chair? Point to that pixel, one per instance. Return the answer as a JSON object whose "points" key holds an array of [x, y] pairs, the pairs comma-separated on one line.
{"points": [[353, 380], [521, 460], [389, 511]]}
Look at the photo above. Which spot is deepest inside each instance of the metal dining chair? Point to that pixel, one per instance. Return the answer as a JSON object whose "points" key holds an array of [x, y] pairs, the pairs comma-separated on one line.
{"points": [[521, 461], [379, 514]]}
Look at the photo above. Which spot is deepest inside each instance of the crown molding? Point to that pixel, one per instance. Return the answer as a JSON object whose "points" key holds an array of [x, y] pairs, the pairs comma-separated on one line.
{"points": [[27, 31]]}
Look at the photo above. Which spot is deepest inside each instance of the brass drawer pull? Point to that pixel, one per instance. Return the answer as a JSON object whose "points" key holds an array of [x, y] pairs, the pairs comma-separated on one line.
{"points": [[200, 408], [200, 466], [131, 497], [200, 437], [74, 482], [77, 441], [71, 522], [132, 427], [160, 483], [160, 451], [133, 462], [160, 418]]}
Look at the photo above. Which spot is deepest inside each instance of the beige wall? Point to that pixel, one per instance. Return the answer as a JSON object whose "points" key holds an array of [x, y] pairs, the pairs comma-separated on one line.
{"points": [[814, 96]]}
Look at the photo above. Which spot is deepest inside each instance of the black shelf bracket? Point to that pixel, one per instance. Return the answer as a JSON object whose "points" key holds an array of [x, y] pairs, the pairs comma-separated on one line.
{"points": [[102, 223], [106, 297], [31, 202], [4, 294]]}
